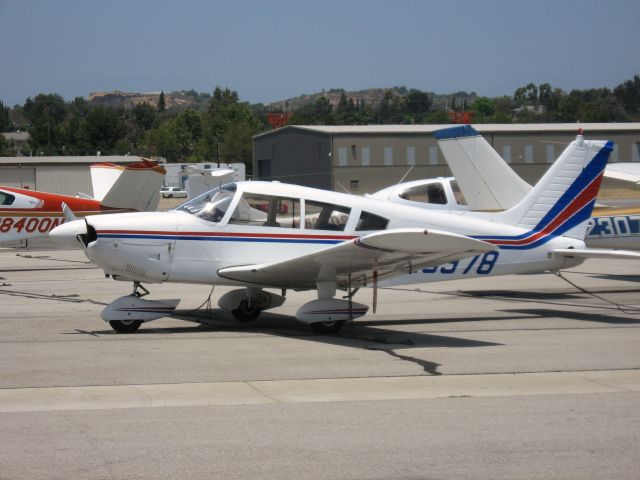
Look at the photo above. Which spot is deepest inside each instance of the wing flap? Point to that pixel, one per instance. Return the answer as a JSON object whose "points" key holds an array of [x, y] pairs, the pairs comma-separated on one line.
{"points": [[390, 253]]}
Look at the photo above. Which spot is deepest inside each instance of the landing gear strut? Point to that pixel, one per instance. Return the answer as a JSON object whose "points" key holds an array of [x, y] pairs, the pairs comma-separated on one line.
{"points": [[136, 293]]}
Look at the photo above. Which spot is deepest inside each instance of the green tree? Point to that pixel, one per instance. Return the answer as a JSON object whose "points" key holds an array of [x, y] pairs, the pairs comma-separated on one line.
{"points": [[319, 112], [5, 148], [45, 114], [161, 141], [104, 128], [162, 106], [393, 109], [6, 125], [484, 109], [186, 127], [436, 117], [418, 103], [144, 116], [225, 126], [346, 112], [628, 94]]}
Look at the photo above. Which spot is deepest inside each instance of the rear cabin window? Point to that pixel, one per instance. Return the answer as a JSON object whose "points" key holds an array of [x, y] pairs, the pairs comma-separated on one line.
{"points": [[457, 193], [369, 221], [6, 199], [431, 193], [267, 211], [325, 216]]}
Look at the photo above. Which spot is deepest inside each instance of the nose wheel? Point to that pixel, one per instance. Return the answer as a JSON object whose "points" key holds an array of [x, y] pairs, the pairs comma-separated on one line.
{"points": [[130, 326], [125, 326]]}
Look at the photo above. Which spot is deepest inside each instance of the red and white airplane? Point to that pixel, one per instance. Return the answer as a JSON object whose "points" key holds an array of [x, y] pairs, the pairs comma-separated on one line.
{"points": [[269, 235], [27, 214]]}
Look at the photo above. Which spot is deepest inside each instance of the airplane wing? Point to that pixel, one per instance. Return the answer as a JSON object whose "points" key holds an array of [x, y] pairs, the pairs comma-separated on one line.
{"points": [[626, 172], [389, 253], [598, 253]]}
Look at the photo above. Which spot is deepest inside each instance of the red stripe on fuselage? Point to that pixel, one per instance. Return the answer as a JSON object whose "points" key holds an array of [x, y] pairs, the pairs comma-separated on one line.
{"points": [[52, 202], [586, 196], [229, 234]]}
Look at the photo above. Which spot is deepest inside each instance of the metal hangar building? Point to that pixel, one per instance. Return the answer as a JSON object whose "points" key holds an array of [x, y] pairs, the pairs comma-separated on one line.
{"points": [[63, 175], [366, 158]]}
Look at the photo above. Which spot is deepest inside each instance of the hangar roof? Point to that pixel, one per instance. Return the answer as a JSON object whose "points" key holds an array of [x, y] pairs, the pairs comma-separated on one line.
{"points": [[61, 160], [482, 128]]}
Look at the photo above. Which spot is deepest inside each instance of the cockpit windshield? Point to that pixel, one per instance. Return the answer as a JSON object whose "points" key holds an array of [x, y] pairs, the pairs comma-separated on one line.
{"points": [[211, 206]]}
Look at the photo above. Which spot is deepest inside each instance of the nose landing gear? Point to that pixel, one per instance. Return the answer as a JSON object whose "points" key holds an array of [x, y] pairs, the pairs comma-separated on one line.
{"points": [[126, 314]]}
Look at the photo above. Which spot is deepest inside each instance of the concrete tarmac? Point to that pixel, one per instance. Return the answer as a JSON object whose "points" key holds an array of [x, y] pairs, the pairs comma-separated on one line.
{"points": [[506, 377]]}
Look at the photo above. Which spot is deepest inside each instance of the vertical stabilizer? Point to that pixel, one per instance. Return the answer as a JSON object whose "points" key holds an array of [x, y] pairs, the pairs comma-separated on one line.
{"points": [[486, 180], [136, 188], [103, 176], [562, 200]]}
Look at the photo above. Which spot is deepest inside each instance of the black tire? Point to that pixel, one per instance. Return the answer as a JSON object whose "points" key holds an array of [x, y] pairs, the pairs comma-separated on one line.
{"points": [[328, 327], [169, 196], [245, 313], [125, 326]]}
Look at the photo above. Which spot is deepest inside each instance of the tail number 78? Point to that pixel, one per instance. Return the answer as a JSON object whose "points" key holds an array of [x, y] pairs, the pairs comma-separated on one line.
{"points": [[480, 265]]}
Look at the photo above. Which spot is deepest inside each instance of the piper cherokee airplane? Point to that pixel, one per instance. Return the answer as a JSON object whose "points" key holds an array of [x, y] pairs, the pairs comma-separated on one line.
{"points": [[259, 235], [485, 182], [27, 214]]}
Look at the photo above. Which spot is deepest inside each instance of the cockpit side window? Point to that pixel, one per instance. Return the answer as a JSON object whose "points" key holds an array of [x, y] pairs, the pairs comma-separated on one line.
{"points": [[267, 211], [325, 216], [6, 198], [430, 193], [212, 205], [369, 221]]}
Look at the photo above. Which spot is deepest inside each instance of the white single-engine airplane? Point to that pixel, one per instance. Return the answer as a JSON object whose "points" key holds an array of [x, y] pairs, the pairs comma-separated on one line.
{"points": [[259, 235]]}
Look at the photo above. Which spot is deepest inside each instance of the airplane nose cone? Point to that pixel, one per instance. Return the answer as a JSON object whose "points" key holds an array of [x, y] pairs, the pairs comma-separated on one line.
{"points": [[65, 235]]}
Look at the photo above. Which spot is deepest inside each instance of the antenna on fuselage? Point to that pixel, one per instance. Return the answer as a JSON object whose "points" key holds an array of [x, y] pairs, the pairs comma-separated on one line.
{"points": [[406, 174]]}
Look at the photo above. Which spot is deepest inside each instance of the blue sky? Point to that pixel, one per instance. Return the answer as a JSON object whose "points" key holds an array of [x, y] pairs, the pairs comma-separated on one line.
{"points": [[270, 50]]}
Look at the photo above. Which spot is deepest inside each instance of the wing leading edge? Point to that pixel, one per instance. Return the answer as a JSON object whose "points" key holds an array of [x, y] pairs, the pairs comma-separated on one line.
{"points": [[390, 253]]}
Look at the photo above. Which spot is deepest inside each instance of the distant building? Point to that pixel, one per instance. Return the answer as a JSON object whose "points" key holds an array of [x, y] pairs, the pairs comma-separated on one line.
{"points": [[366, 158], [17, 140]]}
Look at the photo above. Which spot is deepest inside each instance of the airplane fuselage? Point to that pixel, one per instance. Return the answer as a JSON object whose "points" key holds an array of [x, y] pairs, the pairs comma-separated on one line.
{"points": [[31, 214], [178, 246]]}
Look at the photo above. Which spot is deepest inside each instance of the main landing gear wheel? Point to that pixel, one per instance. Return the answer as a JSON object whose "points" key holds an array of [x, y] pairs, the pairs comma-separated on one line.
{"points": [[328, 327], [246, 313], [125, 326]]}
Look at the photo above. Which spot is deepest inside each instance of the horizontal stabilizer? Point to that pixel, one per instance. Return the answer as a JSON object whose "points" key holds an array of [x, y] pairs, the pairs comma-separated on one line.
{"points": [[626, 172], [598, 253]]}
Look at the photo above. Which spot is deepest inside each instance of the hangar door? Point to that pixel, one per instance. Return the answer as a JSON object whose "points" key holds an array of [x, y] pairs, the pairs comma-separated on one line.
{"points": [[18, 177]]}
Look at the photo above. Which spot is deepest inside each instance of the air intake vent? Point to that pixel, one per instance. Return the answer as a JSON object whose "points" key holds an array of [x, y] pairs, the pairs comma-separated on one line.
{"points": [[135, 272]]}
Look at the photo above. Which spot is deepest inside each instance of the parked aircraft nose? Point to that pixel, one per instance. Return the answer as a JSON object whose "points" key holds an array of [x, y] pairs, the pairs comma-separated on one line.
{"points": [[66, 235]]}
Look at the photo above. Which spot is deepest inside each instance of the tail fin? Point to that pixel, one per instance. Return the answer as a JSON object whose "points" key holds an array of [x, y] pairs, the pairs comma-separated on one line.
{"points": [[562, 200], [489, 183], [103, 176], [135, 187]]}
